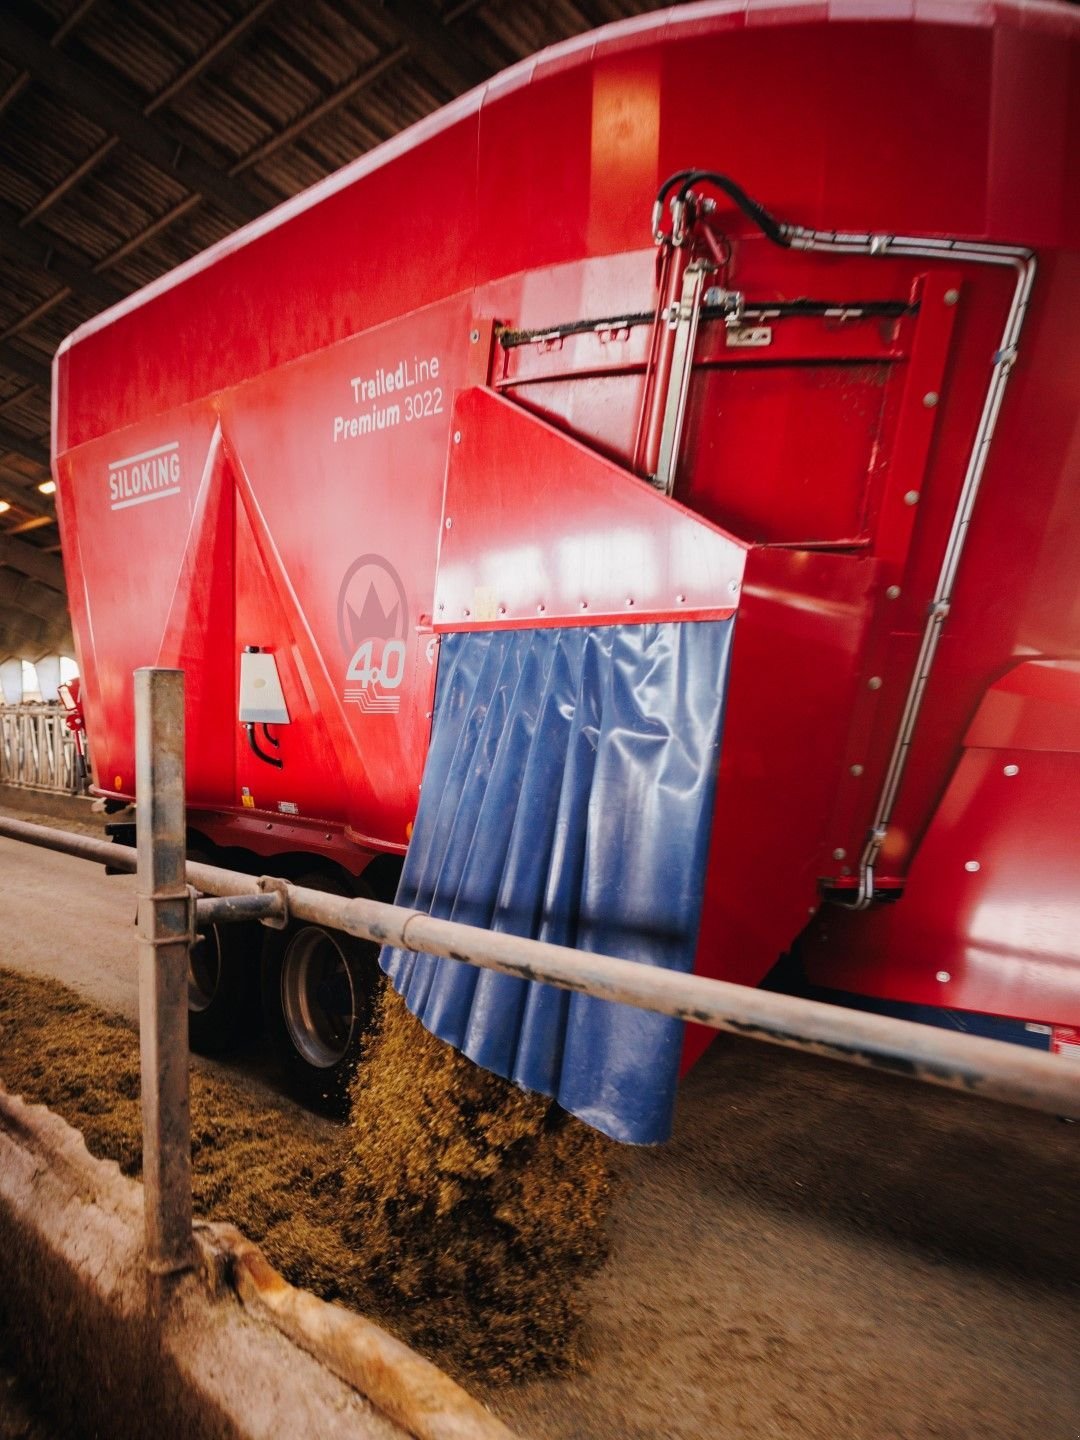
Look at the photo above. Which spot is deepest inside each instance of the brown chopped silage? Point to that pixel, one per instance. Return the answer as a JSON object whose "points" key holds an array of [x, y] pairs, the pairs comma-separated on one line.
{"points": [[456, 1210], [472, 1199]]}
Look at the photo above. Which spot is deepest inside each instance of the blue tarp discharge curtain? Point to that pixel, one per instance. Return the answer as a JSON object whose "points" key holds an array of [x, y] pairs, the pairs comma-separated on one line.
{"points": [[568, 796]]}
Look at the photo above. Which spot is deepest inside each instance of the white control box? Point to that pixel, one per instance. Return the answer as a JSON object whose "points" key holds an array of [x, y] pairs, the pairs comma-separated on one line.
{"points": [[262, 701]]}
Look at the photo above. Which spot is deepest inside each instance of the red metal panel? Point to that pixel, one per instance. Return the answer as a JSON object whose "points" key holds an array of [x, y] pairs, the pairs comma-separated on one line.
{"points": [[799, 633], [130, 498], [509, 558], [756, 435], [990, 916], [238, 553], [1036, 706]]}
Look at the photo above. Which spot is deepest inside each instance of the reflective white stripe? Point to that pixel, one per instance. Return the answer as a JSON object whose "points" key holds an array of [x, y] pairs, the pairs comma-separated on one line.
{"points": [[142, 499]]}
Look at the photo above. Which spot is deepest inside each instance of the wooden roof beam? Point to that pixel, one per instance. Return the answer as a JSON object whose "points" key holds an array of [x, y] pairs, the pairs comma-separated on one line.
{"points": [[32, 562], [444, 55], [34, 372], [205, 62], [24, 445], [21, 491], [35, 246], [91, 93]]}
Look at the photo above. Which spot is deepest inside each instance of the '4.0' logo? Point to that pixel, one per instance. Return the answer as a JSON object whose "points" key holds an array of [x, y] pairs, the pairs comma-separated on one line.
{"points": [[373, 621]]}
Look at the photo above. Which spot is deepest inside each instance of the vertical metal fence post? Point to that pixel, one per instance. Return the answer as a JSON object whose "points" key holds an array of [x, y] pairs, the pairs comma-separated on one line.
{"points": [[163, 968]]}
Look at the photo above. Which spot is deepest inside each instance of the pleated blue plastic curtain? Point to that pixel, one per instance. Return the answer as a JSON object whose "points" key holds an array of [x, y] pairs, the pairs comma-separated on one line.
{"points": [[568, 796]]}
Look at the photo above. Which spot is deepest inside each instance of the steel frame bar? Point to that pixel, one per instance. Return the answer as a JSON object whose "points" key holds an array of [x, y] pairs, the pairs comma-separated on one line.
{"points": [[164, 937]]}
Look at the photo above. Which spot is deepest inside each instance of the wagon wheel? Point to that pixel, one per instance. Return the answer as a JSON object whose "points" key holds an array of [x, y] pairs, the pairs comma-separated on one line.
{"points": [[319, 989], [223, 985]]}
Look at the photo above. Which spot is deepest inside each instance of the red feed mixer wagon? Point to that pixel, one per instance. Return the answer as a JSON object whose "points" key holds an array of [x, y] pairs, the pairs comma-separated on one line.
{"points": [[639, 508]]}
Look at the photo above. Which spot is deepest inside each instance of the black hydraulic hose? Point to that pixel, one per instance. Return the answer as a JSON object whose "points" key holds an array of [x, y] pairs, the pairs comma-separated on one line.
{"points": [[767, 223], [671, 181], [267, 759], [661, 196]]}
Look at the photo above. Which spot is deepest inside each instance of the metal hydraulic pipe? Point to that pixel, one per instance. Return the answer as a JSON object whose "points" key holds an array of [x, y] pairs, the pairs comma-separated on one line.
{"points": [[993, 1069]]}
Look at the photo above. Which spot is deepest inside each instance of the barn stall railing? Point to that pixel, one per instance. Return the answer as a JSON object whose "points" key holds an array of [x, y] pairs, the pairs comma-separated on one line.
{"points": [[38, 750]]}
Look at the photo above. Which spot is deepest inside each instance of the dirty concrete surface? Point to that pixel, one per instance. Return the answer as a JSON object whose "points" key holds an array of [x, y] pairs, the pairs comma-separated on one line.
{"points": [[820, 1252]]}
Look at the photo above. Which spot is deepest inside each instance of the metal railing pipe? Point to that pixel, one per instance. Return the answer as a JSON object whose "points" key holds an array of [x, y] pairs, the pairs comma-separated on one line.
{"points": [[68, 842], [993, 1069]]}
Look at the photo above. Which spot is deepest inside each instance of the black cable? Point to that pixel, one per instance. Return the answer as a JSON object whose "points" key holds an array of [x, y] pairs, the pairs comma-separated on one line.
{"points": [[267, 759], [767, 223], [855, 309], [670, 182]]}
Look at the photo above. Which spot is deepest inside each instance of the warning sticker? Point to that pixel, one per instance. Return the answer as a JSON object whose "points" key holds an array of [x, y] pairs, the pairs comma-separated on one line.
{"points": [[1065, 1041]]}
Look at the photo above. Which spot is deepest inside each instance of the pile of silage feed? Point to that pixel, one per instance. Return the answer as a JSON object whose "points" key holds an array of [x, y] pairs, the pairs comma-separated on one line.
{"points": [[478, 1207]]}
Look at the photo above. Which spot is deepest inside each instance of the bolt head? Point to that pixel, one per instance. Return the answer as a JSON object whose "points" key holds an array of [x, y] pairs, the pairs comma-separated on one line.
{"points": [[457, 437], [1011, 770], [839, 853], [951, 297], [911, 498], [972, 866], [474, 336], [874, 683], [856, 770], [943, 976], [893, 592], [449, 523], [930, 399]]}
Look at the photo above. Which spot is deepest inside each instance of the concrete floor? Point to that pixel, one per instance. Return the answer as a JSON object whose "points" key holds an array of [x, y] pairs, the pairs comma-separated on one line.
{"points": [[820, 1252]]}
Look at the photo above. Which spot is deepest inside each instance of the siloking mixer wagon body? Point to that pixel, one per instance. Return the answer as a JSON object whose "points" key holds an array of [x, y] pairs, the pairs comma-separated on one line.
{"points": [[637, 507]]}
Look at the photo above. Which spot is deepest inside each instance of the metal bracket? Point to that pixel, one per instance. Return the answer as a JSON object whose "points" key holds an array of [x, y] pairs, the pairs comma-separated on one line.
{"points": [[749, 337], [186, 898], [274, 885]]}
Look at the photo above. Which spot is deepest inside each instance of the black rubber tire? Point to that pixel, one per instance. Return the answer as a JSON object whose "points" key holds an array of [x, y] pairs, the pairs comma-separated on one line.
{"points": [[223, 989], [319, 989], [223, 986]]}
